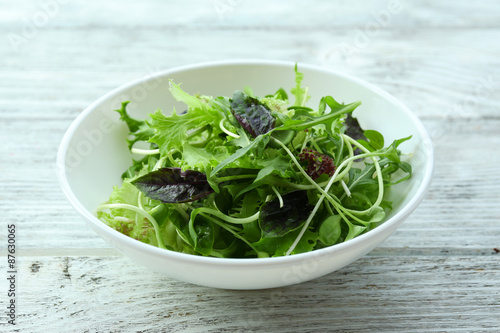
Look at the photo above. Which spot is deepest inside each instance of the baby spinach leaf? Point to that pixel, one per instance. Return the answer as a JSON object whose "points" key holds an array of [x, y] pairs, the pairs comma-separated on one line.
{"points": [[354, 230], [160, 213], [375, 139], [284, 136], [278, 246], [330, 230], [172, 185], [377, 215], [276, 222], [250, 205], [253, 115]]}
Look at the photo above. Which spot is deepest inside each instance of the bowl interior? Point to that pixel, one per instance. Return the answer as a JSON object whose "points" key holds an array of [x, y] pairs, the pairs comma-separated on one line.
{"points": [[97, 153]]}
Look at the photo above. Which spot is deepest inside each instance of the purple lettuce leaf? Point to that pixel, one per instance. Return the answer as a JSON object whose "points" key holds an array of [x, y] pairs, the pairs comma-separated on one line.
{"points": [[172, 185]]}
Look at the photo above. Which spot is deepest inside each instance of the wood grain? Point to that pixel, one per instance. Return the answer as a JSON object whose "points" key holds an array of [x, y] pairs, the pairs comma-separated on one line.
{"points": [[110, 294], [438, 272]]}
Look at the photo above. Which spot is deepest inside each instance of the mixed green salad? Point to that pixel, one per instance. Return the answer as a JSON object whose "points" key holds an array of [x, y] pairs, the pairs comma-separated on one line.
{"points": [[248, 176]]}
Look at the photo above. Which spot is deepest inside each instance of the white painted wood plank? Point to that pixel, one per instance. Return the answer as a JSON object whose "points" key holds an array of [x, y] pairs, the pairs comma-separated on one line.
{"points": [[256, 14], [456, 79], [108, 294]]}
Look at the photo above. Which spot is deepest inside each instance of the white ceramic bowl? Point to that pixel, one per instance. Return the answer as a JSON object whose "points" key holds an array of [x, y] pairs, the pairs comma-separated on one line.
{"points": [[93, 154]]}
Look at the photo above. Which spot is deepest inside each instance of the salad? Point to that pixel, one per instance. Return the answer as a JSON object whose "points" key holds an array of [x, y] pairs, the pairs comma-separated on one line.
{"points": [[248, 176]]}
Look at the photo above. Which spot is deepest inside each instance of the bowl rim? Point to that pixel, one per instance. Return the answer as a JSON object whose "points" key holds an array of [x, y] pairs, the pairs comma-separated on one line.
{"points": [[243, 262]]}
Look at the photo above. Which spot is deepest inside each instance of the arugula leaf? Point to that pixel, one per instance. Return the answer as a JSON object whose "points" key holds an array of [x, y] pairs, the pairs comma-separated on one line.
{"points": [[171, 132], [397, 142], [304, 119], [273, 163]]}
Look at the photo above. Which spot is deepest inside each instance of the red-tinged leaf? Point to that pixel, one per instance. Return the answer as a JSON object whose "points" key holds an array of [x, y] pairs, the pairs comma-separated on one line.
{"points": [[253, 115], [276, 221], [317, 163], [353, 129]]}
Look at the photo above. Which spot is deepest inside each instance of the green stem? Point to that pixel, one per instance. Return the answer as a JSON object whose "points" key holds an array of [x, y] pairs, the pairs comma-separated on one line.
{"points": [[181, 211], [235, 234], [349, 164], [141, 212], [379, 176], [335, 177], [139, 200], [197, 131], [329, 208], [315, 145], [145, 151], [309, 219], [202, 143], [170, 158], [225, 130], [160, 163], [306, 139], [278, 195], [228, 218], [320, 120], [224, 179]]}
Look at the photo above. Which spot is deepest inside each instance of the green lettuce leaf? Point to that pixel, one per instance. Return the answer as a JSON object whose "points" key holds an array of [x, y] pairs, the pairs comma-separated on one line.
{"points": [[139, 129]]}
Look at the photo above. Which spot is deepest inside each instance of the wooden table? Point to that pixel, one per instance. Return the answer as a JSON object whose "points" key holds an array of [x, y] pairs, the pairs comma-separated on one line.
{"points": [[440, 272]]}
